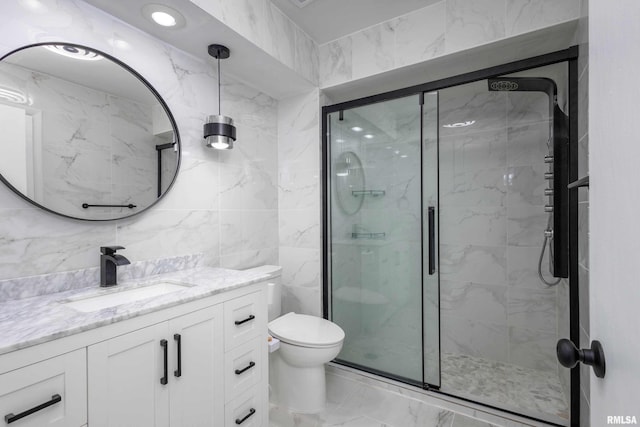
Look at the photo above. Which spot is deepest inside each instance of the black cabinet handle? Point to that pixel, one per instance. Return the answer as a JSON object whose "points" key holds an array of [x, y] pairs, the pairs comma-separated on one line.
{"points": [[246, 417], [9, 418], [246, 368], [240, 322], [165, 349], [178, 339], [432, 239]]}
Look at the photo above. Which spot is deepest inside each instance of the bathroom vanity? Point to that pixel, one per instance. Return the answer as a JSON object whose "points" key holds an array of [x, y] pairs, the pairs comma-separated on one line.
{"points": [[194, 355]]}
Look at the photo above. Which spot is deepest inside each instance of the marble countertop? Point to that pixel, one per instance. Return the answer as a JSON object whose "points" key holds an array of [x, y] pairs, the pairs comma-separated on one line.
{"points": [[30, 321]]}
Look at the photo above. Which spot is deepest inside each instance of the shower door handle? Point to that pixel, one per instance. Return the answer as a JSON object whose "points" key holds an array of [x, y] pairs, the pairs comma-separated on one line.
{"points": [[431, 219]]}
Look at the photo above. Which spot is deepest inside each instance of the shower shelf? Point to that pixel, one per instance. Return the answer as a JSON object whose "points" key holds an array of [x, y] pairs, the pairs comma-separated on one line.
{"points": [[582, 182], [372, 236], [372, 193]]}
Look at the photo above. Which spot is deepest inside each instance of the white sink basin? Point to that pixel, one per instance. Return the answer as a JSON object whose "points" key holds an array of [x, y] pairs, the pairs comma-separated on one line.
{"points": [[113, 297]]}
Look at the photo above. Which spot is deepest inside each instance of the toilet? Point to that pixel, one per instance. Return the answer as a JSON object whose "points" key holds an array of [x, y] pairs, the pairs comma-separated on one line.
{"points": [[307, 343]]}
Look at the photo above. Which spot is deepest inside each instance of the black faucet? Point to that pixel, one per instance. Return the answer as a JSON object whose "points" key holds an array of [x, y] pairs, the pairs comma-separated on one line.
{"points": [[109, 260]]}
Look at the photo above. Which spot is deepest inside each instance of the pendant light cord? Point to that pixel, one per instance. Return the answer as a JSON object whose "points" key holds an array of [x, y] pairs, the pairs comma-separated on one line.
{"points": [[219, 93]]}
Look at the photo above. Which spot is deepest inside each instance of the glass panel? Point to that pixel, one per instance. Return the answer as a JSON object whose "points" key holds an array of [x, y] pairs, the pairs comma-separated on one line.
{"points": [[499, 321], [376, 236], [431, 270]]}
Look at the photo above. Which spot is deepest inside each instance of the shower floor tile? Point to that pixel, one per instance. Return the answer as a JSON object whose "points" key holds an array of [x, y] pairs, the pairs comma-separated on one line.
{"points": [[515, 388]]}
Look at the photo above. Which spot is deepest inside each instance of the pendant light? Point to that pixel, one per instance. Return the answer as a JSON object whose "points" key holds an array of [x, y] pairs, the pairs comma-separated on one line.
{"points": [[219, 132]]}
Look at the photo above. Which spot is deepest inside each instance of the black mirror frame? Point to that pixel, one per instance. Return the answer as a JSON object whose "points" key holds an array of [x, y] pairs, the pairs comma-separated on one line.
{"points": [[155, 93]]}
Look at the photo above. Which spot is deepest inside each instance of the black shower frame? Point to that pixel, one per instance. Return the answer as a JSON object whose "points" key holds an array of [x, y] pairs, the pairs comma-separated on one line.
{"points": [[569, 55]]}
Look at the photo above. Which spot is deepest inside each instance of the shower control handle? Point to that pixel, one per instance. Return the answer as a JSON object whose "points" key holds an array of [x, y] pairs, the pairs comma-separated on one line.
{"points": [[569, 356]]}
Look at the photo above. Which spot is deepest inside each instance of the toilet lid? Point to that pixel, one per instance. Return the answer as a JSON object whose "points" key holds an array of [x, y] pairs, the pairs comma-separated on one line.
{"points": [[306, 331]]}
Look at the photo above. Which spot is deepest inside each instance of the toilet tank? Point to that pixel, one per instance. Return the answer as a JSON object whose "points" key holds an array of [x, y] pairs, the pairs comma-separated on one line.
{"points": [[274, 288]]}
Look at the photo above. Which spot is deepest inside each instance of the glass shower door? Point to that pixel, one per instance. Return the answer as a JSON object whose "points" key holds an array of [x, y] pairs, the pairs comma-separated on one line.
{"points": [[377, 224]]}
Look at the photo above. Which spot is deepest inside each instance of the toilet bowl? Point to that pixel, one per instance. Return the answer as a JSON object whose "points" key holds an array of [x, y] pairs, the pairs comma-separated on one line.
{"points": [[296, 370], [307, 343]]}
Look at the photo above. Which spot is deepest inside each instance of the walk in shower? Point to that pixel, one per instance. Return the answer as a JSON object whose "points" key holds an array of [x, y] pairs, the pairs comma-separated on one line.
{"points": [[448, 227]]}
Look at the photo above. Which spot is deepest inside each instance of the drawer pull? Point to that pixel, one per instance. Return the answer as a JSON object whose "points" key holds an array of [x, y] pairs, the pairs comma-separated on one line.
{"points": [[9, 418], [240, 322], [246, 368], [165, 349], [246, 417]]}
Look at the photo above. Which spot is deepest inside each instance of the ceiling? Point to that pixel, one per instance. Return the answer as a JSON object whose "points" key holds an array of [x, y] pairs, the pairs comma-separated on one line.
{"points": [[327, 20], [201, 29]]}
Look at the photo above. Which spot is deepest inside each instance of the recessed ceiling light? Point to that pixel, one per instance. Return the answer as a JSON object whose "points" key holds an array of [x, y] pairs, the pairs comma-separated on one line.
{"points": [[368, 136], [339, 140], [404, 156], [14, 96], [356, 129], [460, 124], [164, 19], [163, 15], [75, 52]]}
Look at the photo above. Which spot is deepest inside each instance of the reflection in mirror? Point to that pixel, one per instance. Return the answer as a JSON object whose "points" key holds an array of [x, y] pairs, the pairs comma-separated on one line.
{"points": [[84, 136]]}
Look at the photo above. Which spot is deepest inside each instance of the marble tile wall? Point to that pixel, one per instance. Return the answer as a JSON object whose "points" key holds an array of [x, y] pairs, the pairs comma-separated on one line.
{"points": [[436, 30], [299, 202], [491, 230], [263, 24], [223, 204]]}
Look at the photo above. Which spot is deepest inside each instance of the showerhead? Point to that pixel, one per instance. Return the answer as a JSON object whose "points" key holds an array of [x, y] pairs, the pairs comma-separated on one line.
{"points": [[523, 84]]}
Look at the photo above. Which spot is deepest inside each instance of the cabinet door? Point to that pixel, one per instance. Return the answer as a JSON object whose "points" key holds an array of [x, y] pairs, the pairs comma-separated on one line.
{"points": [[197, 383], [56, 387], [124, 375]]}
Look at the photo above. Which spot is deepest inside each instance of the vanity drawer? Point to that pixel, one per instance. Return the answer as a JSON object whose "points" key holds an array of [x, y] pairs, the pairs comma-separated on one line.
{"points": [[54, 389], [246, 410], [244, 367], [243, 318]]}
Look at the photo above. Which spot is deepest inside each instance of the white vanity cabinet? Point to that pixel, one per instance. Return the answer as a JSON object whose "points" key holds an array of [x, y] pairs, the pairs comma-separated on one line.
{"points": [[49, 393], [202, 363], [246, 362], [169, 374]]}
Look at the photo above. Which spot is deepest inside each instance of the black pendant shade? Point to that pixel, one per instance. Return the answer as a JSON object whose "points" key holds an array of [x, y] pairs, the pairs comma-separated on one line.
{"points": [[219, 131]]}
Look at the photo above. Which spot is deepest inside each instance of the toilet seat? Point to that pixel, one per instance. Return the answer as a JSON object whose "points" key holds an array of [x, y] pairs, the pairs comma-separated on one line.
{"points": [[306, 331]]}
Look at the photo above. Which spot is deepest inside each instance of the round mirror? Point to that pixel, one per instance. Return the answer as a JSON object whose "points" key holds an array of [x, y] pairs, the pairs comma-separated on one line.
{"points": [[349, 179], [84, 135]]}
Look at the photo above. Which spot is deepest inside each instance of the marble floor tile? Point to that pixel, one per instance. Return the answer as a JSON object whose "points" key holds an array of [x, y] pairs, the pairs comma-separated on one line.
{"points": [[357, 401]]}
